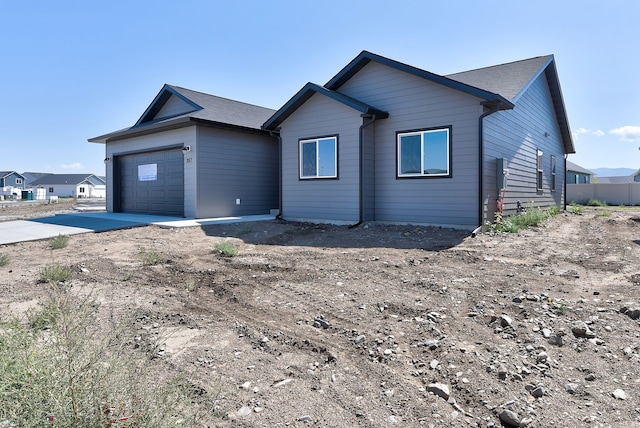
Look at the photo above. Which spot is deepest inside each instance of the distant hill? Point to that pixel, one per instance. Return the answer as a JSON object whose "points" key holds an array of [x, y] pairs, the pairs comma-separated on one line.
{"points": [[612, 172]]}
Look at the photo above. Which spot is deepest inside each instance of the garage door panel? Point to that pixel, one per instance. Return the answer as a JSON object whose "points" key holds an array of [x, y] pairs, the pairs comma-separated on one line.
{"points": [[161, 190]]}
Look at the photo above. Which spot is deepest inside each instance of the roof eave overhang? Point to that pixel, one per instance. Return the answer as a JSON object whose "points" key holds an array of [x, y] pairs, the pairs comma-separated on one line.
{"points": [[182, 122], [159, 101], [307, 92]]}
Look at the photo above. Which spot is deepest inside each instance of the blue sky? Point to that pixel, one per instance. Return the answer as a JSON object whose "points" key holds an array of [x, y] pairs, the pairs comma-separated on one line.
{"points": [[72, 70]]}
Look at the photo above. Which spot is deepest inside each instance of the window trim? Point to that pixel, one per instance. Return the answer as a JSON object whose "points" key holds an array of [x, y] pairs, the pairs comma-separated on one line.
{"points": [[539, 170], [317, 140], [51, 190], [421, 132], [18, 180]]}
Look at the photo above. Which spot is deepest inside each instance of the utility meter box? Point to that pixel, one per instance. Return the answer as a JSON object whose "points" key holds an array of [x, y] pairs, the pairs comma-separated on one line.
{"points": [[502, 171]]}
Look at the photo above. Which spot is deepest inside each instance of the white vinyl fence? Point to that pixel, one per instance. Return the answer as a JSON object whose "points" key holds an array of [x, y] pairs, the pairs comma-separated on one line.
{"points": [[612, 194]]}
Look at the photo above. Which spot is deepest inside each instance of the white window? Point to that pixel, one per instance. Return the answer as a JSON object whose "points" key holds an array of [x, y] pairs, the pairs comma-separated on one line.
{"points": [[18, 180], [425, 153], [319, 158], [50, 189], [539, 170], [81, 190]]}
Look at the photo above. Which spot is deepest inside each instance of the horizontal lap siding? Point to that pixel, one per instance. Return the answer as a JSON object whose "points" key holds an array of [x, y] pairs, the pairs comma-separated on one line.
{"points": [[330, 200], [234, 165], [516, 135], [416, 103], [176, 137]]}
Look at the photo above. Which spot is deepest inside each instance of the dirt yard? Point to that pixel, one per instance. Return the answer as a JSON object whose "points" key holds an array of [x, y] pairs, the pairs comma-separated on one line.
{"points": [[379, 326]]}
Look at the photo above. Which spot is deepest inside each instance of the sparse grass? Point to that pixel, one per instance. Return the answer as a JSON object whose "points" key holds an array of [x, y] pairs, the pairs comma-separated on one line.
{"points": [[64, 368], [226, 248], [576, 209], [4, 260], [596, 203], [150, 257], [56, 273], [604, 213], [190, 285], [530, 217], [58, 242]]}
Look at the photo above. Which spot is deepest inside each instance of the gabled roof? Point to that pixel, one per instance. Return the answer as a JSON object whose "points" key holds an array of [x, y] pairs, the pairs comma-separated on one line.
{"points": [[203, 108], [511, 80], [307, 92], [4, 174], [366, 57], [58, 179], [577, 168]]}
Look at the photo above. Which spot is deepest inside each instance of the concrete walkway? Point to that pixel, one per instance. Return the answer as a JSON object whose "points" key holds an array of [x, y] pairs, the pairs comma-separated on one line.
{"points": [[84, 222]]}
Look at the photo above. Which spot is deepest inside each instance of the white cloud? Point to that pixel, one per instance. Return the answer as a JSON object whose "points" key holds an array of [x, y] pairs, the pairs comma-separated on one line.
{"points": [[628, 134], [75, 165], [583, 131]]}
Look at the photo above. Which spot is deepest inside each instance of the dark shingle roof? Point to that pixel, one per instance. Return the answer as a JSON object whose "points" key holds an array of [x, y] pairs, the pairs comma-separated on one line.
{"points": [[52, 179], [509, 80], [208, 109], [577, 168]]}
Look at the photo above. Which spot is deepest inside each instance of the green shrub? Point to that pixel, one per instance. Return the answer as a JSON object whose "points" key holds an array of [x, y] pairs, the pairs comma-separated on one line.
{"points": [[530, 217], [4, 260], [576, 209], [58, 242], [150, 258], [80, 373], [596, 203], [56, 273], [226, 248]]}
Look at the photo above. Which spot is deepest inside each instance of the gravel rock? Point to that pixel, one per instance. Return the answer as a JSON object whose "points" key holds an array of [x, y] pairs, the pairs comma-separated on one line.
{"points": [[571, 388], [619, 394], [510, 418], [439, 389], [505, 320]]}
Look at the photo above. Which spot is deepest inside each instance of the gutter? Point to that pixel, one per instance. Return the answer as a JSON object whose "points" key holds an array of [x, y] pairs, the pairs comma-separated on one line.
{"points": [[372, 118], [276, 134]]}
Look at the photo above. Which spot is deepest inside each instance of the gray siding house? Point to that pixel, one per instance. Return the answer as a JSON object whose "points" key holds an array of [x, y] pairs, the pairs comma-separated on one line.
{"points": [[12, 179], [577, 174], [193, 155], [384, 141]]}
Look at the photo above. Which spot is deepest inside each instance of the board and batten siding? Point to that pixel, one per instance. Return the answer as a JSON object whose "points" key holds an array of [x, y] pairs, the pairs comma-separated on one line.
{"points": [[516, 135], [416, 103], [236, 166], [321, 200], [154, 142]]}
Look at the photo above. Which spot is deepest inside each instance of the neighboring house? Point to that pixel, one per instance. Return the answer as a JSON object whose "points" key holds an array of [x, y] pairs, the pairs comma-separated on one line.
{"points": [[71, 185], [12, 179], [578, 175], [193, 155], [384, 141], [617, 179], [33, 176]]}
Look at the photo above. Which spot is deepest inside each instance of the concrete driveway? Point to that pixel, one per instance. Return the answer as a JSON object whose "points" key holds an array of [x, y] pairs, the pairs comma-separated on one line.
{"points": [[73, 224]]}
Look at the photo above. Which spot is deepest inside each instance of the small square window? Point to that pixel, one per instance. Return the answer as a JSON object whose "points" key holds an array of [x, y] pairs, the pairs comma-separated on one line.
{"points": [[81, 190], [18, 180], [50, 189], [424, 153], [319, 158]]}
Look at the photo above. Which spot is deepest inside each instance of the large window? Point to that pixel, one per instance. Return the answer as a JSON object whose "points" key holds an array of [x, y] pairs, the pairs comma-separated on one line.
{"points": [[539, 169], [425, 153], [319, 158]]}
